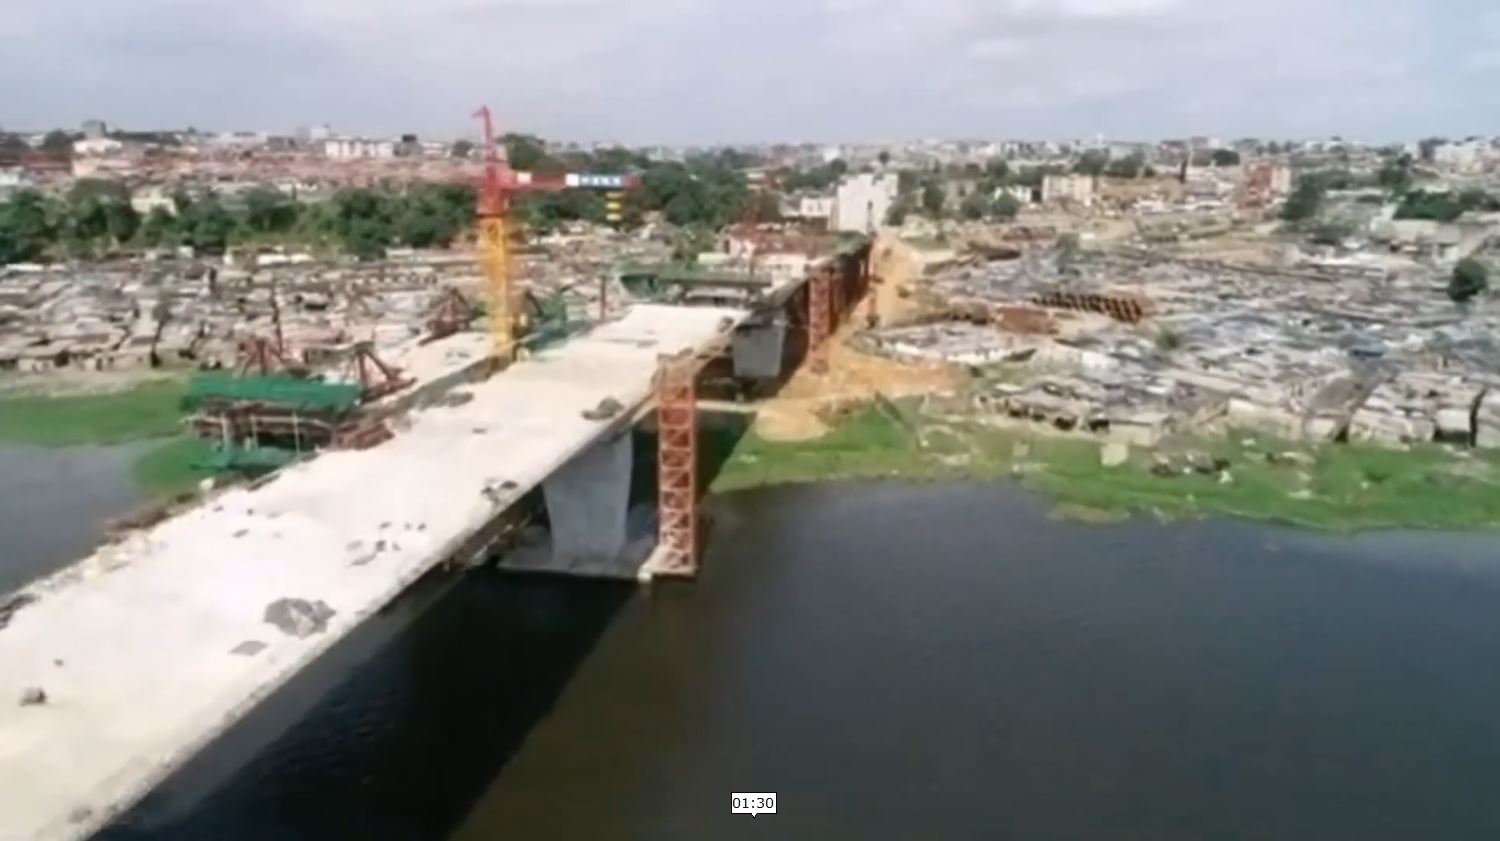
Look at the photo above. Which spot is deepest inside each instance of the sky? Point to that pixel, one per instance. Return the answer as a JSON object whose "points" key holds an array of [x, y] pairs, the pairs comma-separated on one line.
{"points": [[718, 71]]}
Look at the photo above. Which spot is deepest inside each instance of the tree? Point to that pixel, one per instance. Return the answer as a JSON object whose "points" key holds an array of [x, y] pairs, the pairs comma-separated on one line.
{"points": [[1470, 277], [57, 145], [885, 158], [362, 222], [1443, 207], [1395, 175], [691, 242], [1005, 207], [366, 239], [122, 221], [1306, 200], [933, 199], [27, 228], [1032, 176], [974, 206], [899, 210], [1225, 157], [620, 159], [419, 228], [13, 148], [317, 225], [102, 189], [461, 148], [432, 215], [1129, 166], [1331, 233], [524, 151], [206, 226], [88, 220], [269, 211], [764, 206], [1092, 163], [160, 228]]}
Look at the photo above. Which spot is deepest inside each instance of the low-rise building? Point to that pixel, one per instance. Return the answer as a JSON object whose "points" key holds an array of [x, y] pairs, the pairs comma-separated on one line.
{"points": [[96, 146], [813, 208], [353, 148], [1068, 189], [152, 197], [863, 202]]}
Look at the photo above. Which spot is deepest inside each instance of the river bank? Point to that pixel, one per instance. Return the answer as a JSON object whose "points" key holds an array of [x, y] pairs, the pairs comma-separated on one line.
{"points": [[101, 412], [1335, 487]]}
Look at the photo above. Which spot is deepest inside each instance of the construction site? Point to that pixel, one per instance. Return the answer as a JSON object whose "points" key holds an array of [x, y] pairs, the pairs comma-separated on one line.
{"points": [[351, 469]]}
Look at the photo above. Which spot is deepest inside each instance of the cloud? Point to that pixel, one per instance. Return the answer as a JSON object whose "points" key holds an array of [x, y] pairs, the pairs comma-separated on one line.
{"points": [[716, 70]]}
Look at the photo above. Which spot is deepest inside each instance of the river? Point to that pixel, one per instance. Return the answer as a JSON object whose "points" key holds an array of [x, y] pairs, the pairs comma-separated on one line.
{"points": [[54, 503], [896, 660]]}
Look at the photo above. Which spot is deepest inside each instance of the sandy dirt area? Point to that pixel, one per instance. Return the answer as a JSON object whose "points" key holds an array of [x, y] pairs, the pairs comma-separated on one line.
{"points": [[848, 376]]}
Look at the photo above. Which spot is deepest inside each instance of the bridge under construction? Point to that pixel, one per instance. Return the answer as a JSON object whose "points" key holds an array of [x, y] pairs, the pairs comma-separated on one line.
{"points": [[138, 656]]}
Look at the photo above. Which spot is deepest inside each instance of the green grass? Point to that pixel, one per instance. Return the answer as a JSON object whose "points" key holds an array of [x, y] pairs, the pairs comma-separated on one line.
{"points": [[1341, 488], [147, 411], [168, 469], [868, 445]]}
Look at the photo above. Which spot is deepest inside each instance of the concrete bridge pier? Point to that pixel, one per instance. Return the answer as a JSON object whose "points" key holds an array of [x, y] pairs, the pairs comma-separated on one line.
{"points": [[593, 531], [758, 348], [588, 500]]}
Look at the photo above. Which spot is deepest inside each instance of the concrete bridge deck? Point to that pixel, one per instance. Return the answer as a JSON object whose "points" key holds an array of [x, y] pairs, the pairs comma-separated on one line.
{"points": [[151, 647]]}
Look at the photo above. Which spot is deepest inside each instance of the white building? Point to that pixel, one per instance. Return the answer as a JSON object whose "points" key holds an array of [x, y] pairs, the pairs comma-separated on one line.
{"points": [[238, 140], [96, 146], [1018, 192], [1466, 157], [1075, 189], [813, 208], [12, 180], [150, 198], [353, 148], [863, 201]]}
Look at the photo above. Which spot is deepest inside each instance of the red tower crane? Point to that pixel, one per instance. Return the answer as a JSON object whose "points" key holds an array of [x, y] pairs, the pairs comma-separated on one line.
{"points": [[497, 187]]}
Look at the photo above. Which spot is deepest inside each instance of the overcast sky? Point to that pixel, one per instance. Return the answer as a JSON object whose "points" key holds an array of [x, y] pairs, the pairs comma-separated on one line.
{"points": [[689, 71]]}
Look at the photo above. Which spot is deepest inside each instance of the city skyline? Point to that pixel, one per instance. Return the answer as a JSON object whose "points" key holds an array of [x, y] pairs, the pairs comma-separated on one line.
{"points": [[684, 73]]}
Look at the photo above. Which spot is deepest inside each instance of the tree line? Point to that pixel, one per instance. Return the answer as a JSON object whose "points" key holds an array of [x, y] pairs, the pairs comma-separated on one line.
{"points": [[95, 216]]}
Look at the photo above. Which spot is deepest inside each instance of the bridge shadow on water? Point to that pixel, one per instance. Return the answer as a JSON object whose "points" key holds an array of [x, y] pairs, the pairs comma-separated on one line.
{"points": [[397, 731]]}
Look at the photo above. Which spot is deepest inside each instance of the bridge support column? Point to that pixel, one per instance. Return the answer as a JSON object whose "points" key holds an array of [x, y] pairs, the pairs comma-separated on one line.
{"points": [[819, 311], [587, 502], [678, 539]]}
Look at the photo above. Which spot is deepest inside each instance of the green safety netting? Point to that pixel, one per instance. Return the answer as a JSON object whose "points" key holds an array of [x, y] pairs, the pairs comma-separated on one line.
{"points": [[287, 392], [245, 458]]}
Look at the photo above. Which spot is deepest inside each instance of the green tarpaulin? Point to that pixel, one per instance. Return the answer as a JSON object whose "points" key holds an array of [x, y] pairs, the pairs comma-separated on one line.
{"points": [[286, 392]]}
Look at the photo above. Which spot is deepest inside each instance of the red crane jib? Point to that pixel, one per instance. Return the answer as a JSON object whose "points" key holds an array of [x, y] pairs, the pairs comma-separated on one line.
{"points": [[500, 181]]}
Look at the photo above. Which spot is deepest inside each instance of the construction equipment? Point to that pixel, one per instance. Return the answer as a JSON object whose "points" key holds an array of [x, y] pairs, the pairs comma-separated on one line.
{"points": [[500, 183], [452, 313]]}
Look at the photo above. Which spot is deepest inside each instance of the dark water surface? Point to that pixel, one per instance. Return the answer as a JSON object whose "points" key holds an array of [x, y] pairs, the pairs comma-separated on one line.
{"points": [[54, 503], [900, 662]]}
